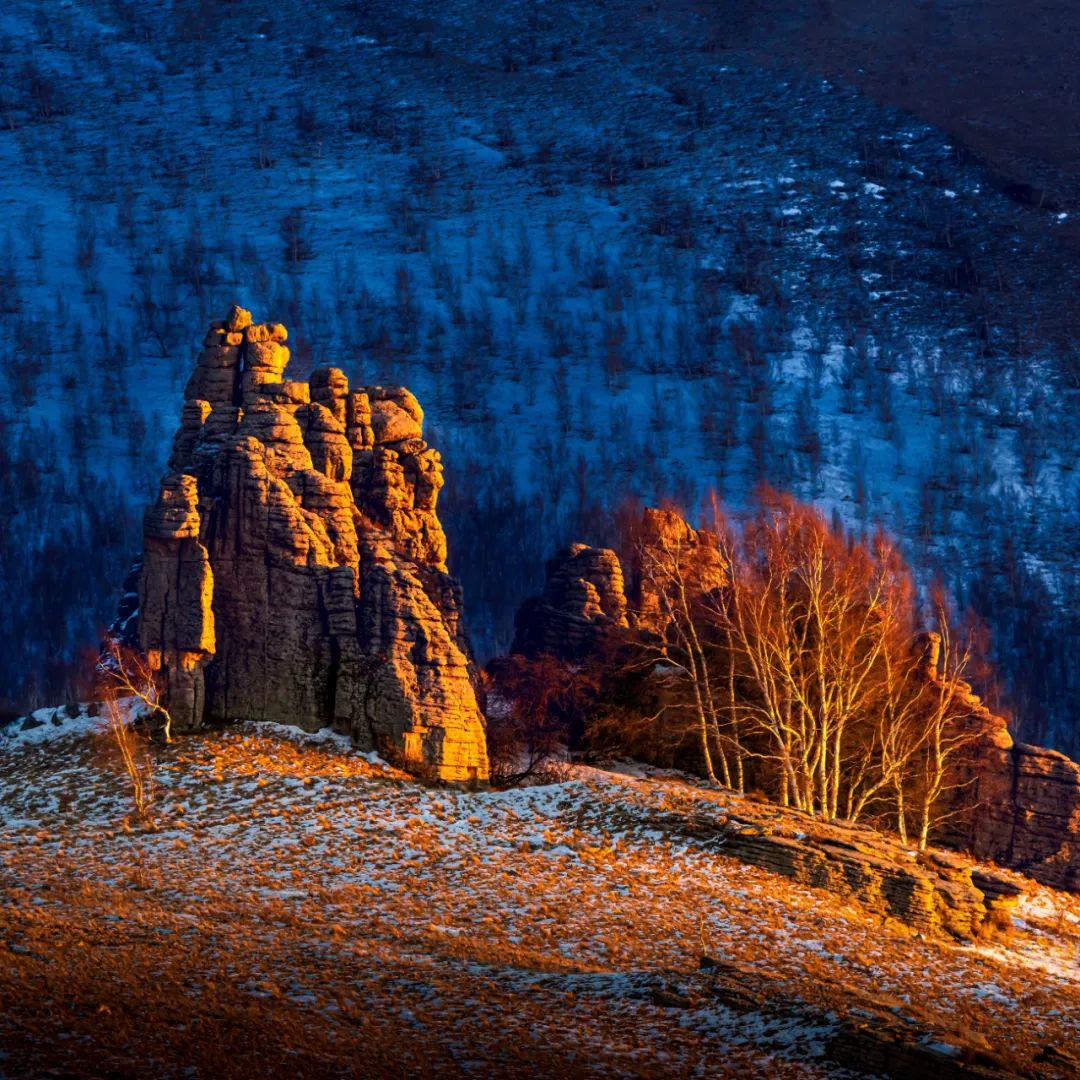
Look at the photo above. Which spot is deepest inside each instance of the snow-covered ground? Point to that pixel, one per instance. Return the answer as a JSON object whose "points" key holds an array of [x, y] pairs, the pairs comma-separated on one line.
{"points": [[301, 908]]}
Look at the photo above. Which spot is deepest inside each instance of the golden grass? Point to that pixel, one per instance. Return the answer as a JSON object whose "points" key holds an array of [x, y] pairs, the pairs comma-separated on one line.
{"points": [[303, 912]]}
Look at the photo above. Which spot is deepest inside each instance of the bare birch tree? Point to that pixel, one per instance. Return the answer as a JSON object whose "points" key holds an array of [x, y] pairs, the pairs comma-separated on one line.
{"points": [[680, 647], [813, 652], [126, 677], [128, 673]]}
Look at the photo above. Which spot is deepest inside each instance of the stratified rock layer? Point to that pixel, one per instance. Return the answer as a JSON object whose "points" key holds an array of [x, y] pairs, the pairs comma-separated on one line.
{"points": [[934, 891], [294, 568], [583, 598], [1022, 809]]}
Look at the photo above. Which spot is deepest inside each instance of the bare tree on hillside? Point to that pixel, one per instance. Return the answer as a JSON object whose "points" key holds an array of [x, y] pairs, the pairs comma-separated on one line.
{"points": [[127, 673], [679, 647], [537, 707], [125, 676], [947, 732]]}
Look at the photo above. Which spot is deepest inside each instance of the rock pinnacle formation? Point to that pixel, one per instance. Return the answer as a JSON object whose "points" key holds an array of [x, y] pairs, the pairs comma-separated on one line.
{"points": [[294, 568], [586, 595], [583, 598]]}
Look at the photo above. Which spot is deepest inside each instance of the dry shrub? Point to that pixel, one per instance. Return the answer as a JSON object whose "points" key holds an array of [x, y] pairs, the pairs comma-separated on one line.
{"points": [[126, 680], [132, 752], [536, 710]]}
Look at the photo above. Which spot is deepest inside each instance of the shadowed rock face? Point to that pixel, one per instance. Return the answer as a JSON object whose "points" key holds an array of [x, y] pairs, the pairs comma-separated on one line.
{"points": [[1022, 808], [583, 598], [1015, 804], [586, 594], [294, 568]]}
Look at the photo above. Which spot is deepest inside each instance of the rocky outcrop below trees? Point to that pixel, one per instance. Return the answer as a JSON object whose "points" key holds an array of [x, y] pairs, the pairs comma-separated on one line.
{"points": [[294, 568], [1021, 809], [1010, 803], [935, 892]]}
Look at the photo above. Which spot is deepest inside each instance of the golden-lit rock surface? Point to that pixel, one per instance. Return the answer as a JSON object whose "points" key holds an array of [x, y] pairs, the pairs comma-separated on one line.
{"points": [[664, 542], [294, 567]]}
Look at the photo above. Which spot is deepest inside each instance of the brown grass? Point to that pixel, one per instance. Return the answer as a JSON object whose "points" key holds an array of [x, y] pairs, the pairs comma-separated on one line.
{"points": [[307, 913]]}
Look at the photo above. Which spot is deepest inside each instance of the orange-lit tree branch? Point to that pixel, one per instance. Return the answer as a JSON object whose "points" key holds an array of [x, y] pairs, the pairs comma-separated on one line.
{"points": [[124, 675], [129, 674]]}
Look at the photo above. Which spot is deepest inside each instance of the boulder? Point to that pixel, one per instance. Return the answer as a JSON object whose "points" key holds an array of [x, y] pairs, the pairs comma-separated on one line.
{"points": [[391, 423]]}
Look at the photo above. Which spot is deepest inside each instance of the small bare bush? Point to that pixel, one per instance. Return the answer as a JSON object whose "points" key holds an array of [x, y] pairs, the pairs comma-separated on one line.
{"points": [[135, 755], [536, 709], [126, 680]]}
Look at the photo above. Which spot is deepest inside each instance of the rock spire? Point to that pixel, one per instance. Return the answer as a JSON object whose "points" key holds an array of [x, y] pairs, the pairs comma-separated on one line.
{"points": [[294, 568]]}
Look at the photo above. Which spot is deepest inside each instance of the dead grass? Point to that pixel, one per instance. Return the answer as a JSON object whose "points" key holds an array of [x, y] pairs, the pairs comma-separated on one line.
{"points": [[304, 912]]}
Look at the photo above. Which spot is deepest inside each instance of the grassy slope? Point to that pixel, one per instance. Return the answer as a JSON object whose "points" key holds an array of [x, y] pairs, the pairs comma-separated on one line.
{"points": [[304, 911]]}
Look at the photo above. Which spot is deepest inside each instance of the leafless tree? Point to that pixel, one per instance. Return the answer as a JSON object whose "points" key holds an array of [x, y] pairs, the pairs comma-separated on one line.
{"points": [[127, 673], [125, 677], [537, 706]]}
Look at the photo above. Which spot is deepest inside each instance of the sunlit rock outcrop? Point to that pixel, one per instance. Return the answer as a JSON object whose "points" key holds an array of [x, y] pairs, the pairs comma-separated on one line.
{"points": [[1015, 804], [1020, 807], [586, 593], [294, 568], [664, 544], [1012, 803], [937, 892]]}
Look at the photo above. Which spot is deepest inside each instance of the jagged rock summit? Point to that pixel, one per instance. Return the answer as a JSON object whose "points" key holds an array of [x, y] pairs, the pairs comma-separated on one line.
{"points": [[583, 597], [587, 596], [294, 568]]}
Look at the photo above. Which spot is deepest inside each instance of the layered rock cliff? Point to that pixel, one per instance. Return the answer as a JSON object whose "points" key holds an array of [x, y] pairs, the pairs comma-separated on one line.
{"points": [[294, 568], [586, 595], [1021, 808]]}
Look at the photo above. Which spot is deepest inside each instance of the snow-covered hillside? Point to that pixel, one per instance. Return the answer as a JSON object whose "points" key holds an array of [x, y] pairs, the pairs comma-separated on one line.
{"points": [[611, 256], [302, 910]]}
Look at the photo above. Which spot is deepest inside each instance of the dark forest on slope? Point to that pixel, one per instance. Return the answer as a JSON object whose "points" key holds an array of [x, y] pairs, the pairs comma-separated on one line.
{"points": [[820, 245]]}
